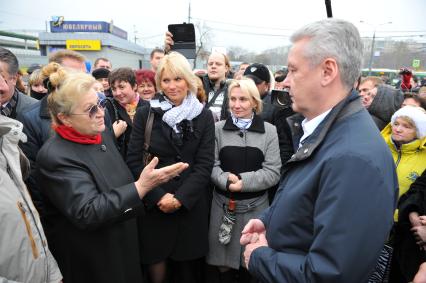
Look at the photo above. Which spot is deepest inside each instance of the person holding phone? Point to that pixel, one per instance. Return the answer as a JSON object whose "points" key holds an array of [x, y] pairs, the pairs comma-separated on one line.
{"points": [[214, 82]]}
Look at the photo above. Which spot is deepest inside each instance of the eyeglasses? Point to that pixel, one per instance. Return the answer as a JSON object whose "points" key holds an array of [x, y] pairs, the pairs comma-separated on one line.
{"points": [[94, 109]]}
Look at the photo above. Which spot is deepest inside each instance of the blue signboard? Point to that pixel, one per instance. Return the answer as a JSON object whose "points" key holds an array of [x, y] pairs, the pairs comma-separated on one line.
{"points": [[86, 26], [79, 26]]}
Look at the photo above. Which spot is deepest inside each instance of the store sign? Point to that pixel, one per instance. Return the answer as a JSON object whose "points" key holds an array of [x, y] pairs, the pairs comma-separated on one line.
{"points": [[83, 44], [87, 26], [118, 31], [79, 26]]}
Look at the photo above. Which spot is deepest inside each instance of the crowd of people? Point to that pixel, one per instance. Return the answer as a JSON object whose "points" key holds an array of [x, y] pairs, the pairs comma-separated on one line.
{"points": [[170, 174]]}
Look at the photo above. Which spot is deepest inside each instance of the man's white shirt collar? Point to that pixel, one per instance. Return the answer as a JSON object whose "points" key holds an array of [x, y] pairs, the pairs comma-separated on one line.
{"points": [[310, 126]]}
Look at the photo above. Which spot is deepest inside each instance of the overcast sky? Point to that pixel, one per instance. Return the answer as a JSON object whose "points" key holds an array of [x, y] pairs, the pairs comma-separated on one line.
{"points": [[253, 25]]}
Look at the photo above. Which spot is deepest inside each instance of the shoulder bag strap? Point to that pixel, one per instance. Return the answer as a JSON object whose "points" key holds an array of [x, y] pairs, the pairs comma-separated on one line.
{"points": [[114, 107], [148, 130]]}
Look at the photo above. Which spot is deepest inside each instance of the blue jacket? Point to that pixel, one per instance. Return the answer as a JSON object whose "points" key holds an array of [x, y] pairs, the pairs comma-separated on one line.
{"points": [[37, 128], [334, 209]]}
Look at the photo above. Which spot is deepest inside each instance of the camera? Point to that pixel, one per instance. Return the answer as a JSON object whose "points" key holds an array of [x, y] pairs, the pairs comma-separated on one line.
{"points": [[405, 71], [281, 98]]}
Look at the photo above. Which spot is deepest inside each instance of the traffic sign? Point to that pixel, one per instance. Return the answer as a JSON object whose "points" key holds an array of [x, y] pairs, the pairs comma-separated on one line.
{"points": [[416, 63]]}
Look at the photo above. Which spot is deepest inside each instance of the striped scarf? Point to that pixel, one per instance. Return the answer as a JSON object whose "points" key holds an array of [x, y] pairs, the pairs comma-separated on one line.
{"points": [[10, 106]]}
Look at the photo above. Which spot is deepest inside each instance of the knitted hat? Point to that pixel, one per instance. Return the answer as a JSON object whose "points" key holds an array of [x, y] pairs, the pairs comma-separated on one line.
{"points": [[415, 113]]}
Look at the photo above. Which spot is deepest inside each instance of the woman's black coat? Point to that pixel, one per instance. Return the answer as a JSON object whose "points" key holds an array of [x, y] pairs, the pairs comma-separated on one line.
{"points": [[407, 253], [181, 235], [91, 207]]}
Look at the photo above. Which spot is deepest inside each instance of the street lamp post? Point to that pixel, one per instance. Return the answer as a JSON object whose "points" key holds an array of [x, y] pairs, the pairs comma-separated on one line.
{"points": [[370, 62]]}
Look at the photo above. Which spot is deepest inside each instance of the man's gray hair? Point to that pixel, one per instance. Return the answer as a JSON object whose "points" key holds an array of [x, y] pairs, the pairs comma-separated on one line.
{"points": [[337, 39], [7, 57]]}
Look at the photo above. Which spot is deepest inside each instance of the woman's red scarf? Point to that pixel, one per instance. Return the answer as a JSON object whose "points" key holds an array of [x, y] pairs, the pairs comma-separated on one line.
{"points": [[70, 134]]}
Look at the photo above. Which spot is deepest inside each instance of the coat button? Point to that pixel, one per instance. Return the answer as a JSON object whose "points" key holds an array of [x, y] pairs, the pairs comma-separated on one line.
{"points": [[306, 151], [103, 147]]}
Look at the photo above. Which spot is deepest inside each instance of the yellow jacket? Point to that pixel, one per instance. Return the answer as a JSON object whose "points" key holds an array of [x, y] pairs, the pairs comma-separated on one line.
{"points": [[410, 160]]}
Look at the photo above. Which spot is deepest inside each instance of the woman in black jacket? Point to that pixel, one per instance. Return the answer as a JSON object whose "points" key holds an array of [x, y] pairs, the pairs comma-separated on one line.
{"points": [[123, 105], [91, 198], [173, 232], [410, 237]]}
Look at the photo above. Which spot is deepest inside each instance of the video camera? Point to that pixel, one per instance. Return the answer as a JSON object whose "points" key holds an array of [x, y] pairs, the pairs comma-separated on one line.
{"points": [[405, 71], [281, 98]]}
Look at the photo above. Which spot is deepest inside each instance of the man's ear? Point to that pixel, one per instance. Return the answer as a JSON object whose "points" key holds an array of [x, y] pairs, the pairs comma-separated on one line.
{"points": [[329, 71]]}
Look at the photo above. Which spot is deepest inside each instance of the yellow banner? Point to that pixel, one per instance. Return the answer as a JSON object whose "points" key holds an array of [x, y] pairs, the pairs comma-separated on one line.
{"points": [[83, 44]]}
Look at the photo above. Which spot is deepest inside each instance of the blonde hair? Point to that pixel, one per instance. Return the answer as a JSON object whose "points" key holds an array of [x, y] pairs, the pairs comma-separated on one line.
{"points": [[375, 80], [201, 93], [407, 120], [60, 55], [178, 66], [249, 87], [36, 77], [65, 88]]}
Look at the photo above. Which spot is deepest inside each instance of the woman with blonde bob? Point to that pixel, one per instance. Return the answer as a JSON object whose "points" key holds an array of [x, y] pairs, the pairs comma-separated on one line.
{"points": [[173, 231], [91, 200], [35, 85], [247, 163]]}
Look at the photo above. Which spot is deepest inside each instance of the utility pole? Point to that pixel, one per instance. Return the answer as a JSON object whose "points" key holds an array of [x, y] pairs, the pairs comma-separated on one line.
{"points": [[370, 63], [135, 33], [189, 12]]}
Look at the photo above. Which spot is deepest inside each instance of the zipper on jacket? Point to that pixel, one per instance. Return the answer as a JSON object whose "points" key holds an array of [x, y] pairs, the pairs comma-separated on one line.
{"points": [[399, 157], [28, 227]]}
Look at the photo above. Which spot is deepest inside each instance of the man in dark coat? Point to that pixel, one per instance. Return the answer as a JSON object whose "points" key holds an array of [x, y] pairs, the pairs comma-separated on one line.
{"points": [[259, 73], [386, 101], [380, 100], [13, 103], [334, 208]]}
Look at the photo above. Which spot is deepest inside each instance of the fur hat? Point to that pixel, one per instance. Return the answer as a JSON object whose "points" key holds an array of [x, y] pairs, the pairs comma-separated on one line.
{"points": [[415, 113]]}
